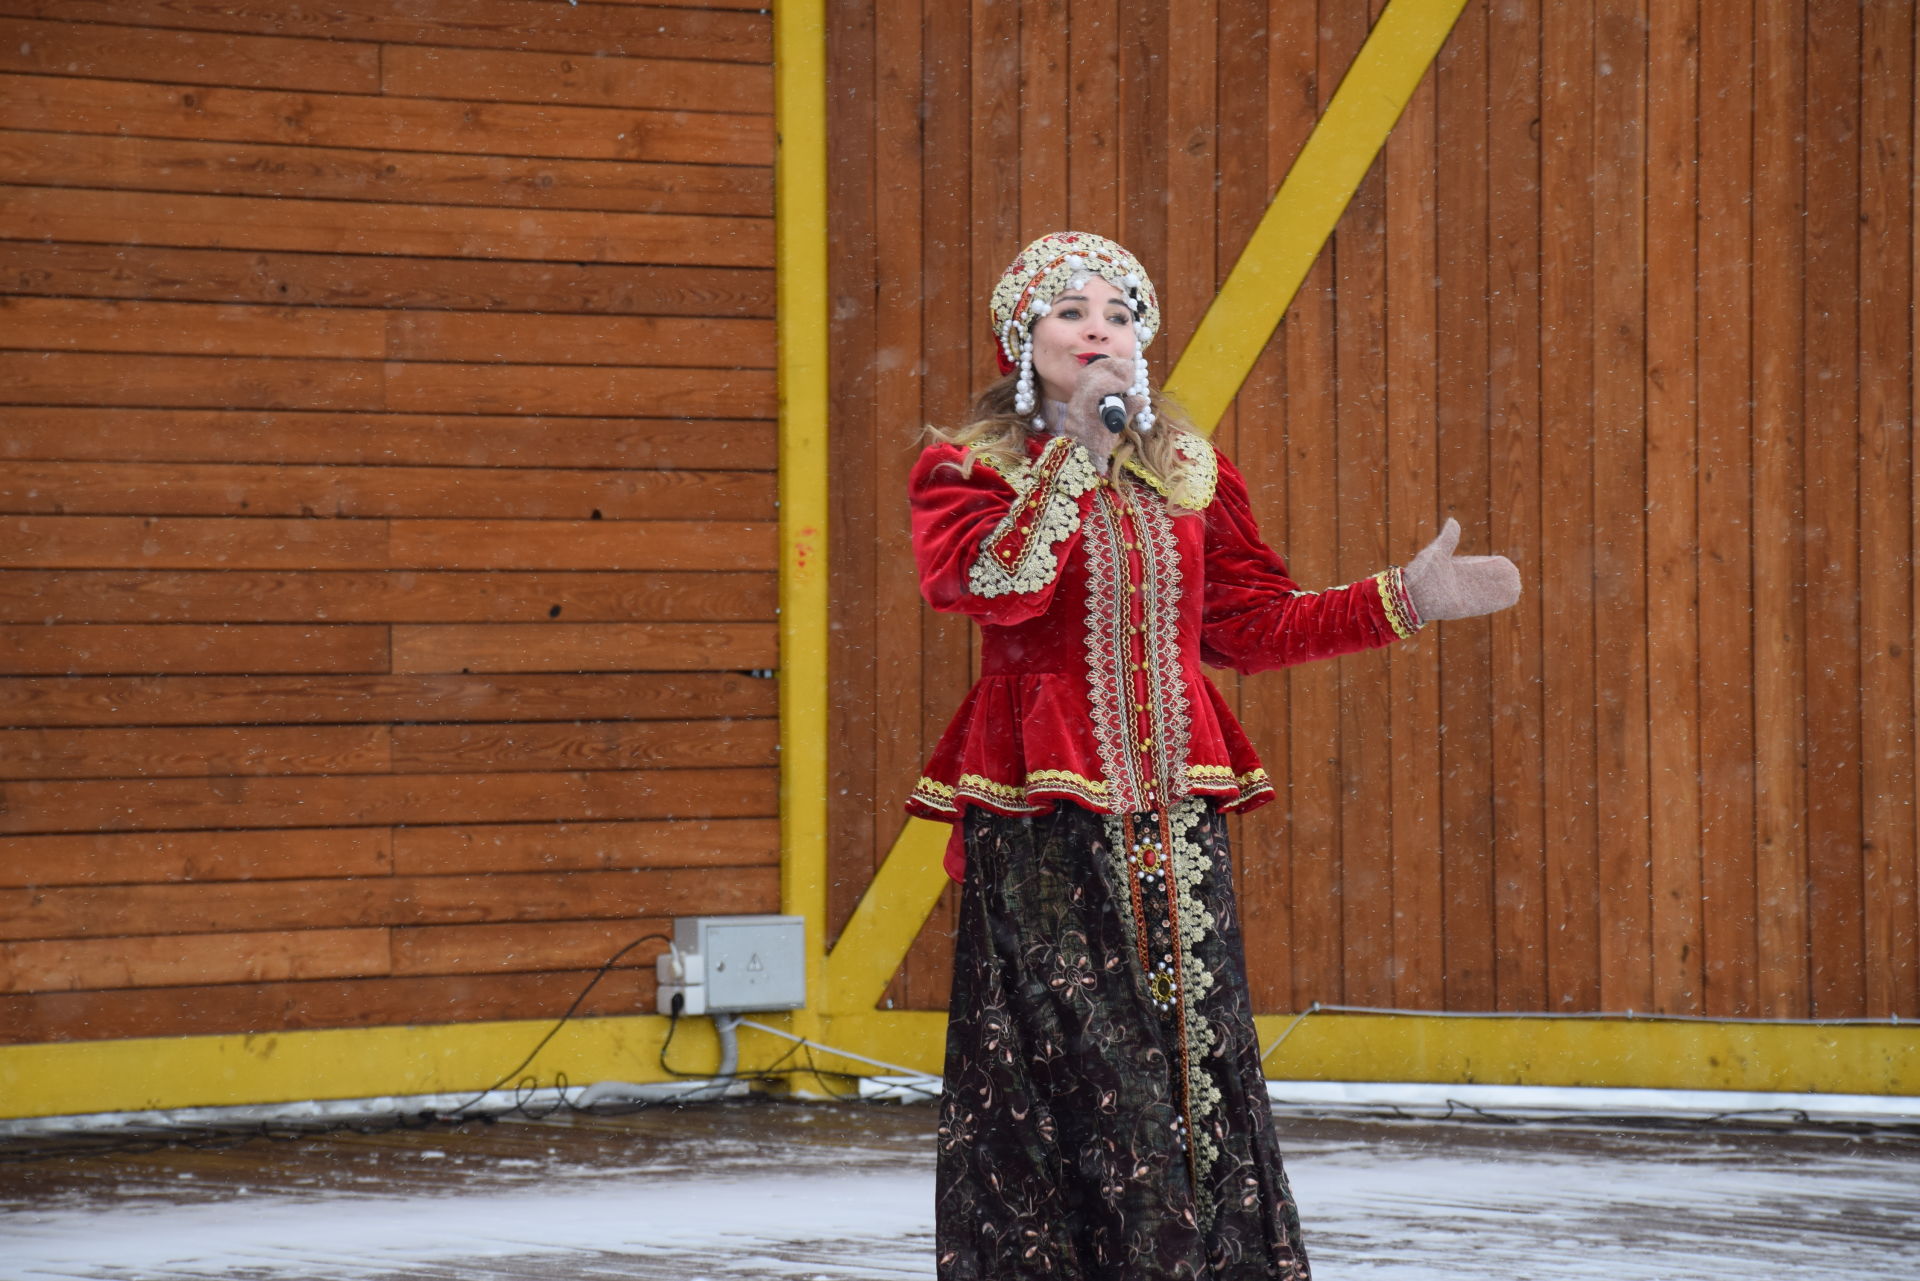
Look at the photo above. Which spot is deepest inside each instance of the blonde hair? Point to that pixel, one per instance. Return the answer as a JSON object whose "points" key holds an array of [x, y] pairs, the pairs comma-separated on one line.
{"points": [[998, 437]]}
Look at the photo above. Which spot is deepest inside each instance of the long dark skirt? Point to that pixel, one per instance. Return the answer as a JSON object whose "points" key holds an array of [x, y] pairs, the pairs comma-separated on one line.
{"points": [[1104, 1115]]}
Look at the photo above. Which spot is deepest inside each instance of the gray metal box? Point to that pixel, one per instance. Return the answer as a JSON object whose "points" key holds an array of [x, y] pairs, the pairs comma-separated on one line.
{"points": [[744, 963]]}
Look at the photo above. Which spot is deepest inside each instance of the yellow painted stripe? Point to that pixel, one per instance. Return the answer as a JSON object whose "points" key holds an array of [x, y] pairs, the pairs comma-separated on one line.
{"points": [[214, 1071], [800, 208], [1308, 205], [1613, 1053], [344, 1063], [1618, 1053]]}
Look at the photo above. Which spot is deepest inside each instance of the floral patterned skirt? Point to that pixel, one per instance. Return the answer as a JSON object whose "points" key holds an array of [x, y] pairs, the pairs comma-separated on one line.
{"points": [[1104, 1115]]}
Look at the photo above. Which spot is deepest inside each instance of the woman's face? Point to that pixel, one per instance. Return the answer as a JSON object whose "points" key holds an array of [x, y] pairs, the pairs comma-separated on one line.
{"points": [[1093, 319]]}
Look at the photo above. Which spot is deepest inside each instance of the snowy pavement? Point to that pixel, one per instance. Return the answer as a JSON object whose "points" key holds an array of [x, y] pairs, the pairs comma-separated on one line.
{"points": [[844, 1193]]}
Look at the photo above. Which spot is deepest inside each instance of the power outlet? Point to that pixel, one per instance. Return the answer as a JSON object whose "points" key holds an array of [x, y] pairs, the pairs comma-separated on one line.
{"points": [[735, 964]]}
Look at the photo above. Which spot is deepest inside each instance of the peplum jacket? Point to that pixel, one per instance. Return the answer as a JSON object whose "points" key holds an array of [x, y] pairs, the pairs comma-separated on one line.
{"points": [[1098, 602]]}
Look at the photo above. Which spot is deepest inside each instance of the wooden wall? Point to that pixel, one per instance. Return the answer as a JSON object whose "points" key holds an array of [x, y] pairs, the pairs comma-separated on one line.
{"points": [[386, 497], [1631, 293]]}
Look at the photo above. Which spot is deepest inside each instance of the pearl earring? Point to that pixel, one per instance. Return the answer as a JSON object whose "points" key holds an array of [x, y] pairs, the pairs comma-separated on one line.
{"points": [[1143, 422], [1023, 387]]}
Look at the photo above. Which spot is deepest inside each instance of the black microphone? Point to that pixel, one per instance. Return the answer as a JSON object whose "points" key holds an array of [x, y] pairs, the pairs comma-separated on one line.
{"points": [[1113, 410]]}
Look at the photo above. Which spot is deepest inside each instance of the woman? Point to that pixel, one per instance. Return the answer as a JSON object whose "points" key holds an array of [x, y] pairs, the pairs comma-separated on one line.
{"points": [[1104, 1112]]}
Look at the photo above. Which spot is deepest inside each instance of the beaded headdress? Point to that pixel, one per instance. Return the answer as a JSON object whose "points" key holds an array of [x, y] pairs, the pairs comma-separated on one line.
{"points": [[1045, 269]]}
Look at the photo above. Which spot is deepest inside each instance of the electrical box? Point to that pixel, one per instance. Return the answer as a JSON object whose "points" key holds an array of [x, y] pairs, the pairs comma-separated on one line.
{"points": [[734, 964]]}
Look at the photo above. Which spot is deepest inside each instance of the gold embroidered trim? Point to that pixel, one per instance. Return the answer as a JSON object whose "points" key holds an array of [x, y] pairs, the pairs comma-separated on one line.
{"points": [[933, 793], [1395, 601], [1167, 683], [1066, 780], [1205, 471], [1109, 692], [1018, 556], [978, 787]]}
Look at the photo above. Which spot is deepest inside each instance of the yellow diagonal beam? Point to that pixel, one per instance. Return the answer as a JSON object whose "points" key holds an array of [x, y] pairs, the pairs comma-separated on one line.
{"points": [[1308, 205], [1243, 316], [888, 919]]}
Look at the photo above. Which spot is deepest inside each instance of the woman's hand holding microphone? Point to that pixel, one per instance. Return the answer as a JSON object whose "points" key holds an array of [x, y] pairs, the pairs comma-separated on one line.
{"points": [[1099, 379]]}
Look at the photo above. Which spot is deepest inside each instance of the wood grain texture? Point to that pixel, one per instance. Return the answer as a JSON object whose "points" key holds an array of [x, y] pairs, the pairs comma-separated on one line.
{"points": [[347, 903], [523, 75], [189, 542], [333, 325], [99, 50], [1676, 981], [54, 159], [69, 965], [113, 649], [556, 847], [584, 647], [634, 31], [862, 827], [1566, 483], [1886, 372], [1516, 436], [181, 328], [132, 858], [95, 434], [382, 800], [1361, 388], [1461, 440], [1726, 623], [369, 280], [215, 489], [363, 1002], [1783, 950], [249, 700], [387, 503], [1630, 295], [373, 122], [348, 596], [1418, 953], [1831, 546], [168, 753], [400, 230]]}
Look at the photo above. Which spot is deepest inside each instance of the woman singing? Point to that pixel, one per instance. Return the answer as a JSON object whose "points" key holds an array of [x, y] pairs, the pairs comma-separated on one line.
{"points": [[1104, 1114]]}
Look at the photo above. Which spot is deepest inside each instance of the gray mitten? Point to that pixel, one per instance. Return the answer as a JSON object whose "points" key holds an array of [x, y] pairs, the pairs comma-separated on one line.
{"points": [[1442, 585]]}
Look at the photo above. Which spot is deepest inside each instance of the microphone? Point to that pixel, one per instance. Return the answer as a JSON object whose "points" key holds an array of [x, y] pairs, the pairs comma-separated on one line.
{"points": [[1113, 410]]}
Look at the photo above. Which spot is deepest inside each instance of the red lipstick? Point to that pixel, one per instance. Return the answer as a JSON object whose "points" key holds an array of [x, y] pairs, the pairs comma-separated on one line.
{"points": [[1088, 357]]}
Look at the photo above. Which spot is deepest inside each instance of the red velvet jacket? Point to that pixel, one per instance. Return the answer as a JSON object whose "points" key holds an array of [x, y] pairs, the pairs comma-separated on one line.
{"points": [[1097, 604]]}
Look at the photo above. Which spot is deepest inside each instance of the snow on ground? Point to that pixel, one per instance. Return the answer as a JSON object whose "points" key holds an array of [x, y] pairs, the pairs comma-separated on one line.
{"points": [[812, 1194]]}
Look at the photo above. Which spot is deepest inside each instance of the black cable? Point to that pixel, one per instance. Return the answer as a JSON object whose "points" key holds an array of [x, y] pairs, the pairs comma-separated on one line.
{"points": [[605, 969]]}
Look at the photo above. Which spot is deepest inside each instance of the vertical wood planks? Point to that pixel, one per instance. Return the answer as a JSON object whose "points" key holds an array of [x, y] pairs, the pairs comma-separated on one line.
{"points": [[1366, 771], [1780, 873], [1567, 293], [1831, 564], [861, 832], [1631, 294], [1516, 427], [1619, 502], [1886, 372], [1412, 332], [1672, 520], [1725, 529], [1466, 792]]}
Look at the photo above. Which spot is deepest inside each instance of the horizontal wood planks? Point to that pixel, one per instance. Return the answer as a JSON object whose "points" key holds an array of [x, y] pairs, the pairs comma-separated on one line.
{"points": [[1632, 295], [387, 517]]}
